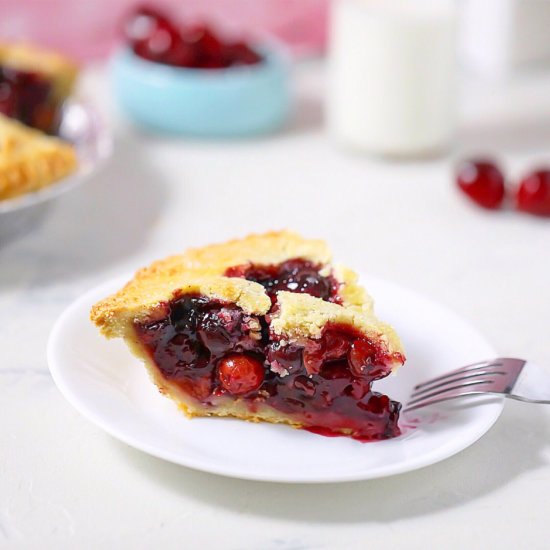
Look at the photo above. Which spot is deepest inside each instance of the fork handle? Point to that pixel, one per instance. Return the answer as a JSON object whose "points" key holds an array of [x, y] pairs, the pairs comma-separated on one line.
{"points": [[533, 384]]}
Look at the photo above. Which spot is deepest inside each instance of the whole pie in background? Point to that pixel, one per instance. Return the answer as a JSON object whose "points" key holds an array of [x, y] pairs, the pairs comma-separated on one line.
{"points": [[34, 84], [264, 329]]}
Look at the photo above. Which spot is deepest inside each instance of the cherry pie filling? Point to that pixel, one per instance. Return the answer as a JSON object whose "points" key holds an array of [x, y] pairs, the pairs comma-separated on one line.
{"points": [[214, 351], [27, 97], [295, 275]]}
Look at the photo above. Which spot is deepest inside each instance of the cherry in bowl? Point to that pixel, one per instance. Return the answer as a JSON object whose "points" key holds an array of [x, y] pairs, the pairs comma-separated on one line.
{"points": [[154, 36], [189, 80]]}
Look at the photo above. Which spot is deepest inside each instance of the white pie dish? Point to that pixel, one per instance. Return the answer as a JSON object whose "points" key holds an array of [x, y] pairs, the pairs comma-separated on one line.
{"points": [[82, 125]]}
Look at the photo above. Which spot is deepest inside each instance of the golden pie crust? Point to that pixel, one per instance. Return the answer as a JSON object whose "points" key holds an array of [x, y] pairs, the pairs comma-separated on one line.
{"points": [[201, 271], [296, 317], [31, 160]]}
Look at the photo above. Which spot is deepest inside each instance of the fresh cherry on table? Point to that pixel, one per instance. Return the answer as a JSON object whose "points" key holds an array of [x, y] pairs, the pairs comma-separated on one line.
{"points": [[482, 181], [533, 193]]}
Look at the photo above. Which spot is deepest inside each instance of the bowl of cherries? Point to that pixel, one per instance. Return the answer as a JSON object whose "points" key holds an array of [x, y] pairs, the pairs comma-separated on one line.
{"points": [[190, 80]]}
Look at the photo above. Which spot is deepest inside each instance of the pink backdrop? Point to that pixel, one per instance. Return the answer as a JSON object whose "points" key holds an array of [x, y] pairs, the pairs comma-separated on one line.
{"points": [[87, 29]]}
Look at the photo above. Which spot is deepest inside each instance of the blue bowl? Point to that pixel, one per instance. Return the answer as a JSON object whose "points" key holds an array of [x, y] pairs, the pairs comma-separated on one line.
{"points": [[234, 102]]}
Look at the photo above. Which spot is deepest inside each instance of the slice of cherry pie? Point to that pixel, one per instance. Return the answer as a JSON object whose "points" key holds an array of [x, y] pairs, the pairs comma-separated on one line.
{"points": [[263, 329]]}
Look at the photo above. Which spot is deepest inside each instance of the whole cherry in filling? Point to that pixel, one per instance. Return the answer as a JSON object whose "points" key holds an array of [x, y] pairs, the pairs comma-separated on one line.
{"points": [[240, 373]]}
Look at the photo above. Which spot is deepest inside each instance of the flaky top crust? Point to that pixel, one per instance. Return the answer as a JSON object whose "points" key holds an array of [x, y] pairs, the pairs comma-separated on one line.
{"points": [[31, 160], [301, 316], [200, 271], [266, 249], [139, 298]]}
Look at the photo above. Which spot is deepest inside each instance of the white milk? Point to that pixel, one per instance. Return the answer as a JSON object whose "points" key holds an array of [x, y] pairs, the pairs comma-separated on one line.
{"points": [[392, 75]]}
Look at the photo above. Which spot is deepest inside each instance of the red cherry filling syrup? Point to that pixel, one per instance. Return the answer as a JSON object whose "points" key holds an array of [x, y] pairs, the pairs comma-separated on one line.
{"points": [[155, 37], [294, 275], [26, 96], [214, 351]]}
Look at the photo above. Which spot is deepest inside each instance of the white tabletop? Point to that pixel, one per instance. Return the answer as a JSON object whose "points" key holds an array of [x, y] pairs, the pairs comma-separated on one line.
{"points": [[66, 484]]}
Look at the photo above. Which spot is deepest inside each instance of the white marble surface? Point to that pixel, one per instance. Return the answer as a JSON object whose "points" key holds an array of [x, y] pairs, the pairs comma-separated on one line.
{"points": [[66, 484]]}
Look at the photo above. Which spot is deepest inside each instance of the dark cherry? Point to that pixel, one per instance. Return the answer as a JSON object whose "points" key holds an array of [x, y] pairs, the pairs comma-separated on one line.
{"points": [[154, 37], [192, 335], [240, 374], [140, 24], [186, 312], [294, 275], [162, 45], [482, 181], [287, 358], [361, 356], [308, 281], [206, 43], [333, 346], [533, 193]]}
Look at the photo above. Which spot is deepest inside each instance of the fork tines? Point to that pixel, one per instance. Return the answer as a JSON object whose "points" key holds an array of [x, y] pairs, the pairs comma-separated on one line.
{"points": [[477, 378]]}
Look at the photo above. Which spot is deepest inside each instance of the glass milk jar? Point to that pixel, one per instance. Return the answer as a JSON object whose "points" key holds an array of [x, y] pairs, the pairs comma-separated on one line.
{"points": [[392, 74]]}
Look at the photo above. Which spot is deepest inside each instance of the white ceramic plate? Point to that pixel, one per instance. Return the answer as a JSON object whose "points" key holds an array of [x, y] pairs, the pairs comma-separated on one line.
{"points": [[111, 388]]}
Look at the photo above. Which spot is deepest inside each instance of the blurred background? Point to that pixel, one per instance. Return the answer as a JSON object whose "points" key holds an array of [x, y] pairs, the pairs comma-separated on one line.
{"points": [[467, 49], [436, 80], [385, 98], [95, 24], [495, 36]]}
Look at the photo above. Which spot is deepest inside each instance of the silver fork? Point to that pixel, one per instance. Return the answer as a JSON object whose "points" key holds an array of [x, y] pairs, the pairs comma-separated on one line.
{"points": [[515, 378]]}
